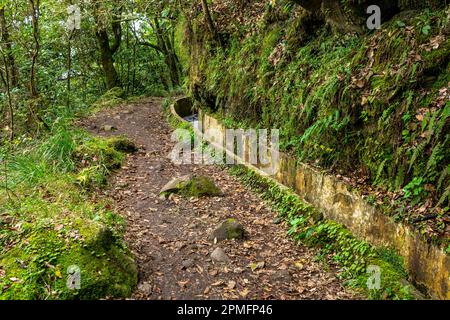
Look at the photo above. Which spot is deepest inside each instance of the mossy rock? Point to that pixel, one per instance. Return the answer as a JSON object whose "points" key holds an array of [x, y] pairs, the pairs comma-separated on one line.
{"points": [[192, 186], [102, 156], [104, 150], [102, 239], [173, 186], [110, 273], [227, 230], [104, 272]]}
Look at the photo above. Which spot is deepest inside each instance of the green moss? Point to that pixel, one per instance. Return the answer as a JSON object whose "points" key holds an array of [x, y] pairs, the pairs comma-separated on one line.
{"points": [[58, 226], [101, 152], [61, 232], [122, 144], [199, 186], [104, 273], [110, 99], [232, 231], [98, 157], [234, 234], [351, 103]]}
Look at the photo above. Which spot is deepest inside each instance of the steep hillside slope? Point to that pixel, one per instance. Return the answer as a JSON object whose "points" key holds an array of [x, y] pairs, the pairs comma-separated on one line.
{"points": [[373, 107]]}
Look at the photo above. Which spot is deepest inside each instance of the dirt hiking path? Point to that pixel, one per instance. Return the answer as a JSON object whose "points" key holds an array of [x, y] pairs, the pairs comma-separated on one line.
{"points": [[169, 238]]}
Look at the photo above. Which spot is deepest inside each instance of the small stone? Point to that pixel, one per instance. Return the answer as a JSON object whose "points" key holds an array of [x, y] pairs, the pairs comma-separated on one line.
{"points": [[278, 220], [157, 167], [282, 275], [194, 225], [187, 263], [220, 256], [123, 185], [145, 288], [108, 128], [227, 230], [231, 284]]}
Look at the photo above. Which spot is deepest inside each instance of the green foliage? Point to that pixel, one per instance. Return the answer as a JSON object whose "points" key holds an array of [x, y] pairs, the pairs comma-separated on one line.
{"points": [[357, 103], [111, 98], [51, 224], [414, 189]]}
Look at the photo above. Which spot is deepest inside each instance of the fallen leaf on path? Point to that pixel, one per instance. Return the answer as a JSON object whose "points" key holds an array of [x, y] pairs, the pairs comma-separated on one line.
{"points": [[231, 284], [257, 265], [244, 293]]}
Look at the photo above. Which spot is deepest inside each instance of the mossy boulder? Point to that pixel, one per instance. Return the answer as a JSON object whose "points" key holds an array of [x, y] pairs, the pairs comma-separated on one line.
{"points": [[103, 152], [103, 238], [97, 157], [192, 186], [106, 267], [227, 230], [173, 186]]}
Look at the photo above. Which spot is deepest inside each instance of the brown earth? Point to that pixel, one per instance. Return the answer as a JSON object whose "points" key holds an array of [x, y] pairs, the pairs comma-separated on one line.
{"points": [[169, 238]]}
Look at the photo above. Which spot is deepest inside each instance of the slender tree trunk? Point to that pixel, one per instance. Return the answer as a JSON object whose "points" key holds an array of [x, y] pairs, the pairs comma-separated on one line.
{"points": [[107, 51], [69, 68], [128, 59], [166, 48], [134, 61], [211, 25], [34, 104], [14, 74], [34, 8], [7, 82]]}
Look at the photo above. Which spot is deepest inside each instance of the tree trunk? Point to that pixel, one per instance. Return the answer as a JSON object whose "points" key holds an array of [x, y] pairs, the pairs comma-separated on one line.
{"points": [[165, 46], [107, 61], [107, 51], [13, 71], [34, 8], [7, 82], [211, 25]]}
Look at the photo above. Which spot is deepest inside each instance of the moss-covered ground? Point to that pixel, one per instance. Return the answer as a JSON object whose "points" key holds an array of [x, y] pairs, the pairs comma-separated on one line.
{"points": [[51, 221]]}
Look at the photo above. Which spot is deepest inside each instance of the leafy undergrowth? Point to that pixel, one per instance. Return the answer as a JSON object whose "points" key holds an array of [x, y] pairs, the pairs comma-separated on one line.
{"points": [[113, 97], [371, 108], [51, 224], [354, 256]]}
